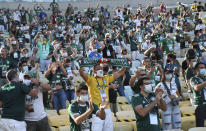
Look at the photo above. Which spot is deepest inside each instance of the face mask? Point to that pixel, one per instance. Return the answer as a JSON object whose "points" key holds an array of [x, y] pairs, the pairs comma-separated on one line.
{"points": [[148, 88], [26, 55], [94, 50], [25, 68], [202, 71], [194, 63], [56, 45], [100, 73], [107, 41], [64, 54], [27, 82], [84, 98], [74, 41], [168, 76], [154, 46], [54, 68]]}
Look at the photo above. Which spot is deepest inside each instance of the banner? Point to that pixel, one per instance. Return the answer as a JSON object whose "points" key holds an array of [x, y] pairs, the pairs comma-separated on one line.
{"points": [[89, 62]]}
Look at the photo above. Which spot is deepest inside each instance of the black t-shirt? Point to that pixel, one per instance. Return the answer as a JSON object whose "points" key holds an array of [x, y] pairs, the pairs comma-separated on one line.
{"points": [[128, 76], [13, 97], [184, 65], [107, 51]]}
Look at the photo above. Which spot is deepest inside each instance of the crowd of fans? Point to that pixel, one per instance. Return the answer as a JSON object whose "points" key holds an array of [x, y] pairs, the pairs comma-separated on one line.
{"points": [[40, 54]]}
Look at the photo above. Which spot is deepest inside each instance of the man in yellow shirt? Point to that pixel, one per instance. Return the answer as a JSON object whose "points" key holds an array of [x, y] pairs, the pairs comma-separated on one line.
{"points": [[194, 6], [99, 92]]}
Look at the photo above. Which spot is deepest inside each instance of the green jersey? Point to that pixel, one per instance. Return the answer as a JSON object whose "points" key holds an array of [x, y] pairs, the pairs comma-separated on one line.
{"points": [[13, 96], [151, 121], [168, 45], [53, 5], [133, 43], [56, 79], [44, 50], [77, 109], [200, 96]]}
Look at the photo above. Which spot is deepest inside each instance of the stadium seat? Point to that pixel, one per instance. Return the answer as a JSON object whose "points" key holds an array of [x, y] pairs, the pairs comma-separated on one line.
{"points": [[134, 125], [188, 122], [185, 96], [51, 112], [187, 111], [180, 60], [63, 112], [121, 99], [184, 103], [123, 126], [126, 107], [198, 129], [67, 104], [58, 120], [174, 130], [126, 115], [54, 129], [64, 128]]}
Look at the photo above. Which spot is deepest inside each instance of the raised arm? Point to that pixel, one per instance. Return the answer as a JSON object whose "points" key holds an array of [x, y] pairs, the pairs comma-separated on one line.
{"points": [[82, 74], [62, 67], [119, 73], [78, 119], [74, 52], [102, 46], [132, 80], [199, 87]]}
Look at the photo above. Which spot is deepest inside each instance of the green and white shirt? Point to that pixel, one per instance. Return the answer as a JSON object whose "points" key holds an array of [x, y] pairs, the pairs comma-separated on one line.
{"points": [[200, 96], [77, 109], [151, 121], [44, 50]]}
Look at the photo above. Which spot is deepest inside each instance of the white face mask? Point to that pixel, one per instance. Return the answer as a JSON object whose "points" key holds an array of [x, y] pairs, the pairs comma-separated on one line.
{"points": [[100, 73], [73, 41], [168, 76], [194, 63], [27, 82], [148, 88], [56, 45], [94, 50], [84, 98], [154, 46], [25, 68], [65, 54], [26, 55]]}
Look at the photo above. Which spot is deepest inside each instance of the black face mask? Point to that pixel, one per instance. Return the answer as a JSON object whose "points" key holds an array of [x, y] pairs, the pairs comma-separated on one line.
{"points": [[106, 69], [107, 41], [168, 60]]}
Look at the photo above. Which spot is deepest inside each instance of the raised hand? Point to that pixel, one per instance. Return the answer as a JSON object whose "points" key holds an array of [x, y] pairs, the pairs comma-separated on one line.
{"points": [[91, 107]]}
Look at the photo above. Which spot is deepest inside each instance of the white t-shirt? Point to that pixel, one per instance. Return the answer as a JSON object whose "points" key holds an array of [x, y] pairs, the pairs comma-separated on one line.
{"points": [[200, 26], [172, 88], [145, 45], [17, 16], [38, 106], [137, 22]]}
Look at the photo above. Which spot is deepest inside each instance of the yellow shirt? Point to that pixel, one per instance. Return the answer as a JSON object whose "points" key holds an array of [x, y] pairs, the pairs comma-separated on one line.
{"points": [[94, 89], [194, 7]]}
